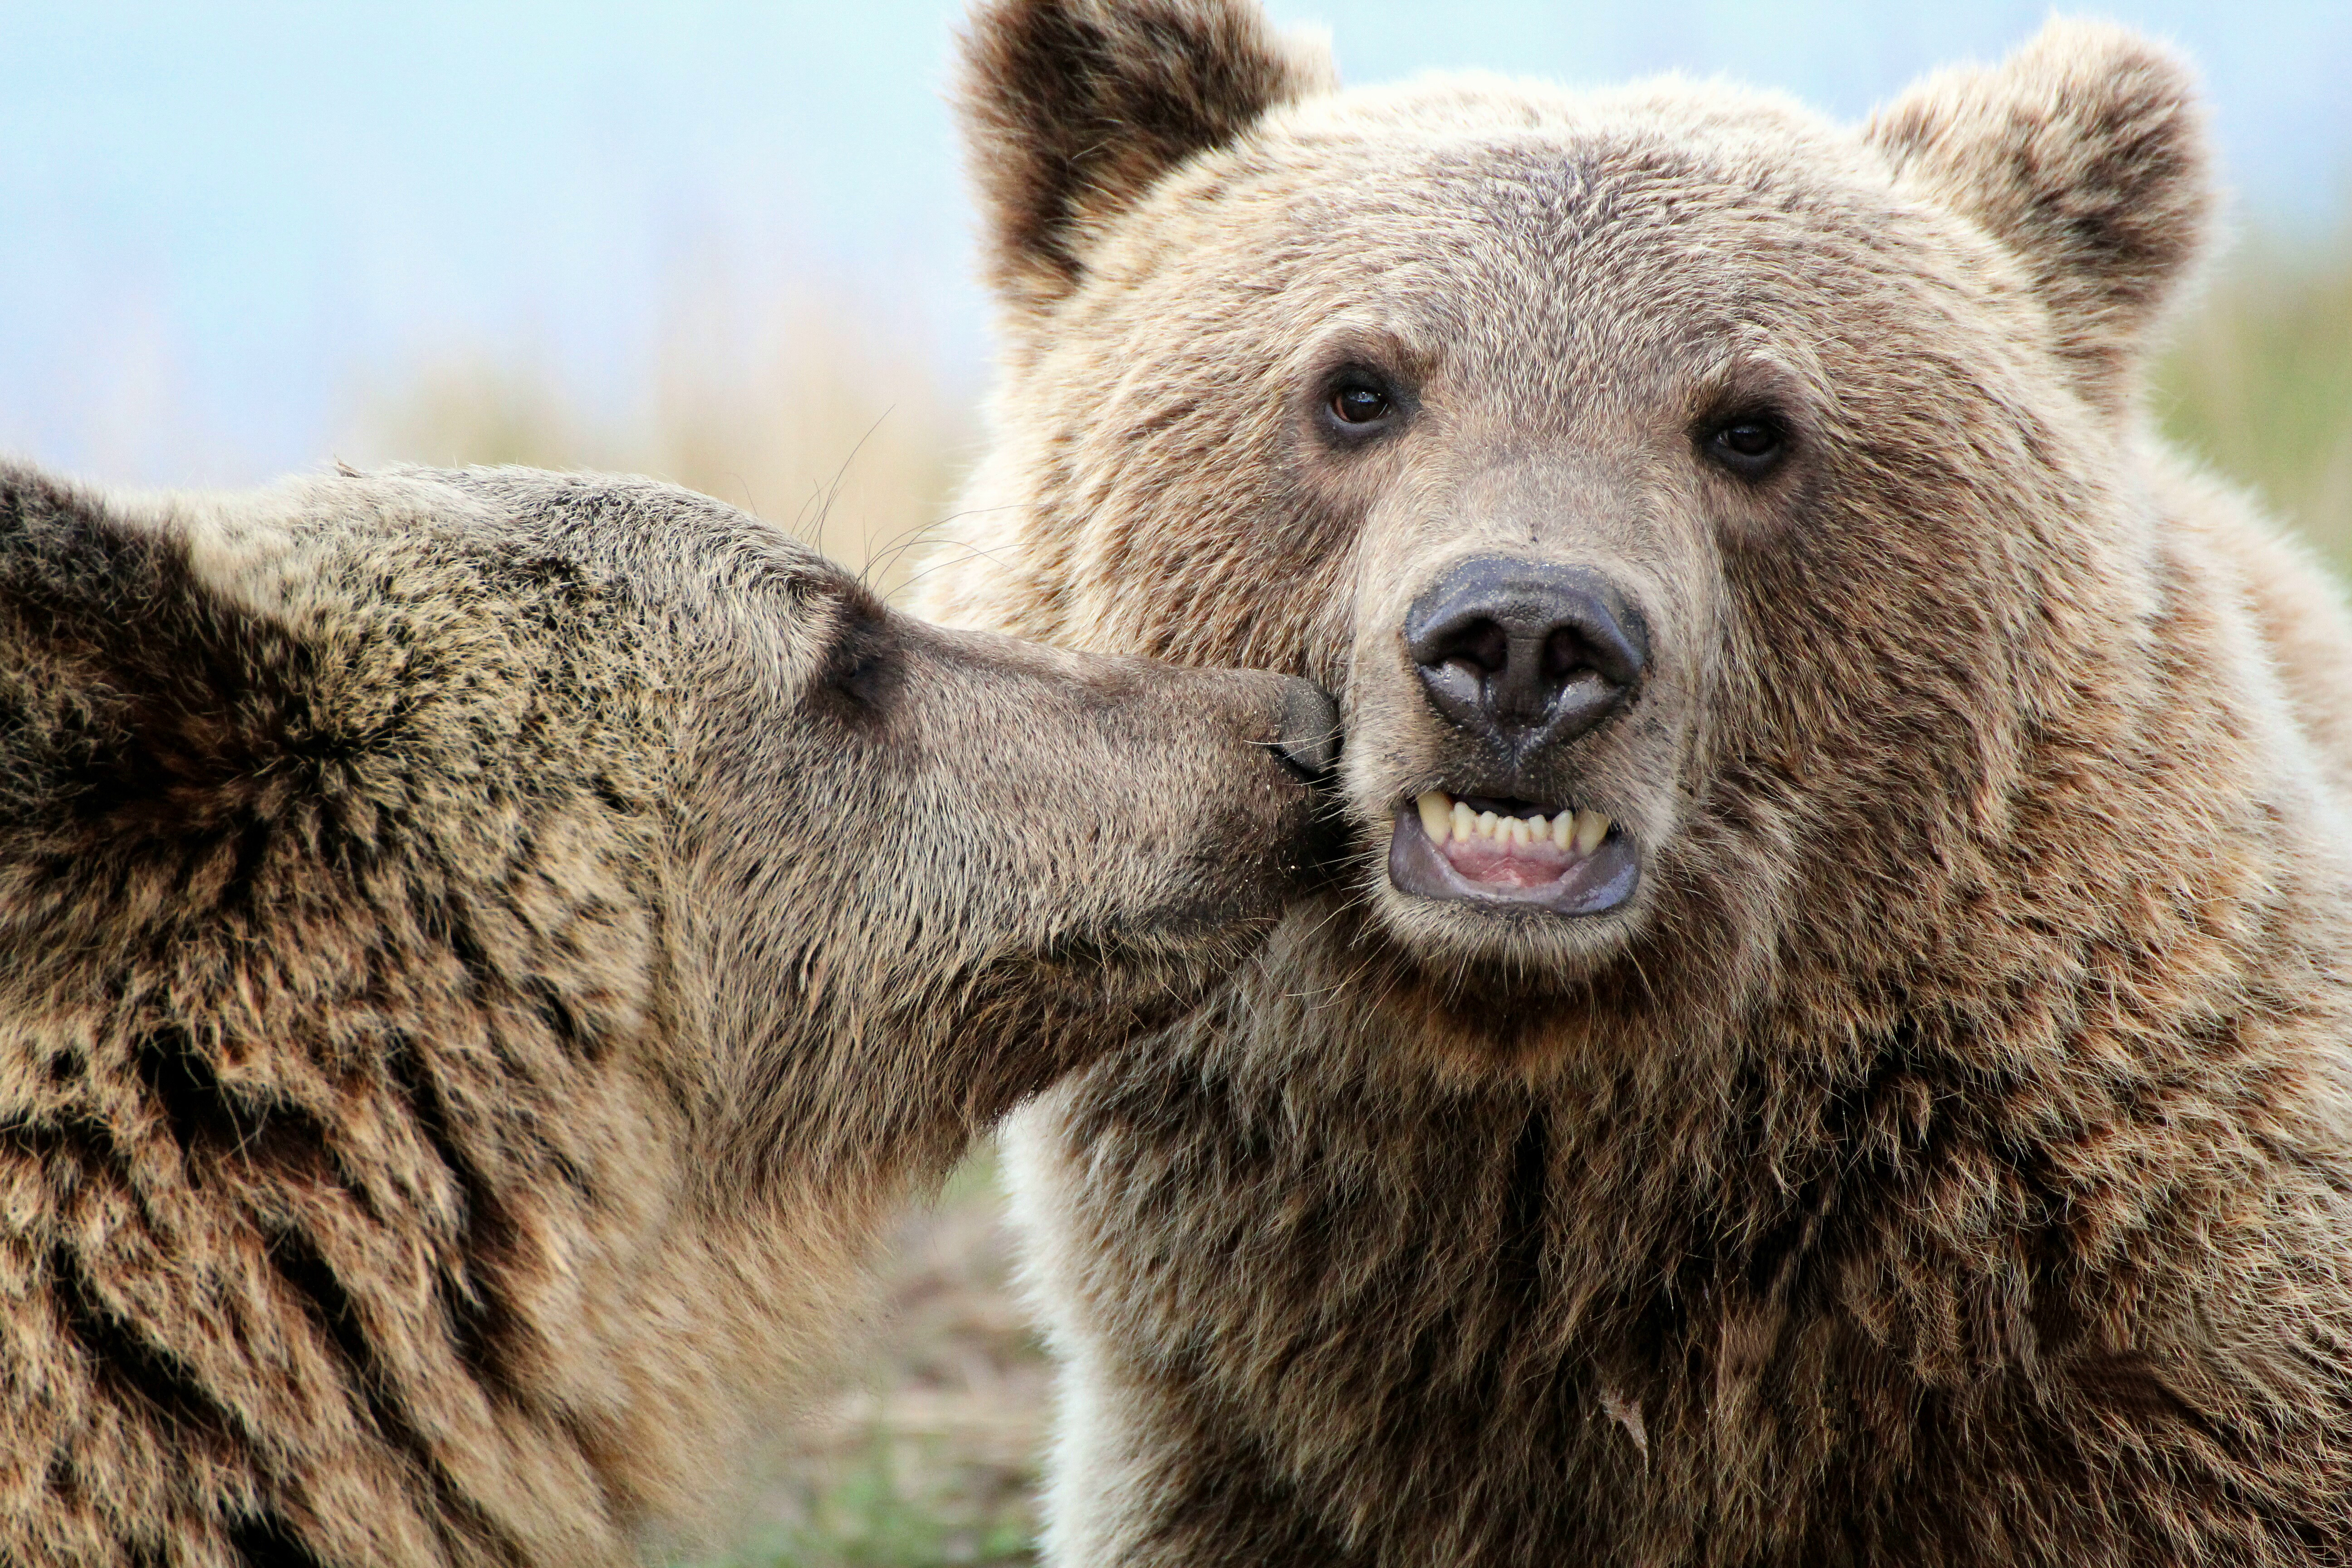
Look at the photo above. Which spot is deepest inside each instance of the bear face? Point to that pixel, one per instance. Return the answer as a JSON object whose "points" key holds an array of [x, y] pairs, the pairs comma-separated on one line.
{"points": [[486, 954], [1621, 457]]}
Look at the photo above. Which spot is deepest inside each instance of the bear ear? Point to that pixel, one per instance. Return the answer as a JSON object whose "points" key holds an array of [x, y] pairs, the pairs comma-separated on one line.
{"points": [[2085, 153], [1073, 109]]}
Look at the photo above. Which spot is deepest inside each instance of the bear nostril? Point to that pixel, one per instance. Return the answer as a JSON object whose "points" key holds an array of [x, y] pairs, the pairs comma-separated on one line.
{"points": [[1482, 647], [1455, 685], [1565, 654]]}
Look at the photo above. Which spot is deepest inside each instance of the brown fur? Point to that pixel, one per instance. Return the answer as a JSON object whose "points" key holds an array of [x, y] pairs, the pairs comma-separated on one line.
{"points": [[485, 956], [1943, 1158]]}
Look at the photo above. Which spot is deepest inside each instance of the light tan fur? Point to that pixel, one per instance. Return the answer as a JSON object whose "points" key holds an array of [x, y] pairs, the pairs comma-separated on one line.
{"points": [[1942, 1156], [482, 959]]}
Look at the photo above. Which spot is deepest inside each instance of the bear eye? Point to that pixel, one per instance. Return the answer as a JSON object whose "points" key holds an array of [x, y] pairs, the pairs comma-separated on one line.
{"points": [[1749, 445], [1359, 400]]}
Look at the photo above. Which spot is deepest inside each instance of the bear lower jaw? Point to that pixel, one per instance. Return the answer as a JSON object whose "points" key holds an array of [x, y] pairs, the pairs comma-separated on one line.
{"points": [[1588, 868]]}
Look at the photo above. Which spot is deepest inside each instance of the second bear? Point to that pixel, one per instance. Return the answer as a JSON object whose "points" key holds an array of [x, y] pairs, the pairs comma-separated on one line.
{"points": [[482, 959]]}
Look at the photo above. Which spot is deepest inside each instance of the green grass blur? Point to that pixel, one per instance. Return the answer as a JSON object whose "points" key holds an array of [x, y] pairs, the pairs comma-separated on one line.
{"points": [[2258, 384]]}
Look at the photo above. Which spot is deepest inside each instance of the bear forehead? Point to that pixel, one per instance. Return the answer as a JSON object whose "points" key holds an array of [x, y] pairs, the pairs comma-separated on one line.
{"points": [[1610, 248], [479, 568], [1509, 151], [1463, 207], [1460, 107]]}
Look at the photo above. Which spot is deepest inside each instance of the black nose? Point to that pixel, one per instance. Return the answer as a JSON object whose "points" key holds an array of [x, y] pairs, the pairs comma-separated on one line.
{"points": [[1306, 732], [1530, 653]]}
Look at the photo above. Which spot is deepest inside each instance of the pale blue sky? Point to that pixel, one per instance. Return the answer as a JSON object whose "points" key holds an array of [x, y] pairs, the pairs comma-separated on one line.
{"points": [[225, 219]]}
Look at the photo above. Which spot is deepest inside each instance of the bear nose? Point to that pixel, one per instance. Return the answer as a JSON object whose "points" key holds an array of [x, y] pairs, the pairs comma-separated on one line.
{"points": [[1529, 652], [1307, 731]]}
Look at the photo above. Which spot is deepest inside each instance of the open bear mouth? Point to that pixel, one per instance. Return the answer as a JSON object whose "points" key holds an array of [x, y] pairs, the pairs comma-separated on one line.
{"points": [[1511, 852]]}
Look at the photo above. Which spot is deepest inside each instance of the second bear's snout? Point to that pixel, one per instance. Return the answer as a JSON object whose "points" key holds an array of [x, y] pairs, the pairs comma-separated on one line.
{"points": [[1306, 732]]}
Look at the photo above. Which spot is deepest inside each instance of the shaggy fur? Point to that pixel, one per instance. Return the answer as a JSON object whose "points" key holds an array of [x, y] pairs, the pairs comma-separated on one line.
{"points": [[1942, 1157], [486, 954]]}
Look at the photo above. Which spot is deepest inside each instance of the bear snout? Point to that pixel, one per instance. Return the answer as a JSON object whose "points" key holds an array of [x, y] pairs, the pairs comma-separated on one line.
{"points": [[1526, 655], [1518, 658]]}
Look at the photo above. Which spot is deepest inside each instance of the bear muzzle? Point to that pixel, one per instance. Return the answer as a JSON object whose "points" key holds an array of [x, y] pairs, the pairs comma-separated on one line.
{"points": [[1520, 658]]}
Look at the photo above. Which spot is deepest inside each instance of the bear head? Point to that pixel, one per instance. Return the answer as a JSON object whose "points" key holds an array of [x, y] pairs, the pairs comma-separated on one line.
{"points": [[1701, 507]]}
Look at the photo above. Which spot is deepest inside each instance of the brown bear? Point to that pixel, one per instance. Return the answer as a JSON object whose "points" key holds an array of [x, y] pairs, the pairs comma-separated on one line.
{"points": [[481, 958], [1835, 1049]]}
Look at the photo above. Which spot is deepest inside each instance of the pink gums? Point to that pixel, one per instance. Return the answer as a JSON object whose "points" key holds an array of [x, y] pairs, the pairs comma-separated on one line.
{"points": [[1505, 863]]}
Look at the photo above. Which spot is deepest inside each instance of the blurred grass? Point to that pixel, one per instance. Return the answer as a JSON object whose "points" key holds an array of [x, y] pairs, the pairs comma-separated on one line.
{"points": [[2259, 383], [930, 1456], [886, 1506], [812, 416], [816, 420]]}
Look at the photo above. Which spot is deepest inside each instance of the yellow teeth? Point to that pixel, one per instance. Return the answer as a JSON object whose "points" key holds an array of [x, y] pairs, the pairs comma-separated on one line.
{"points": [[1446, 819]]}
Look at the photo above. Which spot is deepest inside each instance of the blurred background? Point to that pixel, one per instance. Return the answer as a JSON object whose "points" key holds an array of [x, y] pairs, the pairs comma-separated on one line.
{"points": [[726, 242]]}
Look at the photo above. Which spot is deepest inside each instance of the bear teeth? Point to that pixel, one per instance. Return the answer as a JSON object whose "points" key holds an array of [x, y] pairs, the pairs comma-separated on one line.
{"points": [[1448, 820]]}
